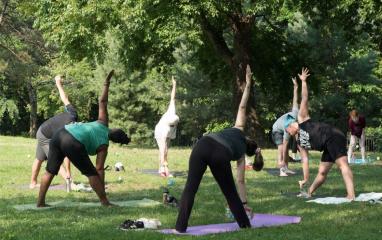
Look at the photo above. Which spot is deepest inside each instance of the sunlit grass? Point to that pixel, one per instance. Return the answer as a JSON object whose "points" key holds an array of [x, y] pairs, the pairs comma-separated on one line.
{"points": [[347, 221]]}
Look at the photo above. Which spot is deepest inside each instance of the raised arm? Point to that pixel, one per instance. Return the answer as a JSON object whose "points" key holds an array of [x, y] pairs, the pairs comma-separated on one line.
{"points": [[295, 94], [103, 100], [303, 114], [63, 96], [171, 106], [241, 113], [173, 91]]}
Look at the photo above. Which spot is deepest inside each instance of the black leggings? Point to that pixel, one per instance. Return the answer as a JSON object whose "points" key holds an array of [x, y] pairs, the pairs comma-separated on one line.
{"points": [[62, 145], [208, 152]]}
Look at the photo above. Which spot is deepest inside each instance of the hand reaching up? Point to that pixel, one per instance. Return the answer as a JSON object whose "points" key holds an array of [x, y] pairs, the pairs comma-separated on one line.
{"points": [[304, 74]]}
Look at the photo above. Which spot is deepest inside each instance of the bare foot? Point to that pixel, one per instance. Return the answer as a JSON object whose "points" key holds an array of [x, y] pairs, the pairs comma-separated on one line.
{"points": [[41, 205], [34, 185], [108, 204], [350, 197]]}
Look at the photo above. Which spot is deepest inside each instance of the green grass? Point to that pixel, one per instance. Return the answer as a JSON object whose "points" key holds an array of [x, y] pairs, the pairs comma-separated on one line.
{"points": [[346, 221]]}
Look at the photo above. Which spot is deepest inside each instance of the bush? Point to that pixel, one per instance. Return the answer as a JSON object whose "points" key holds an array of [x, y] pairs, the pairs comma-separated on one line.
{"points": [[375, 133]]}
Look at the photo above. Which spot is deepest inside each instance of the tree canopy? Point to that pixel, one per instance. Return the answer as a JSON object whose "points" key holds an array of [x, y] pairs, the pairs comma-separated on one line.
{"points": [[205, 44]]}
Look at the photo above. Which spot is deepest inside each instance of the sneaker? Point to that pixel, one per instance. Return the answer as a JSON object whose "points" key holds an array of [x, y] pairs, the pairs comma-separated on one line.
{"points": [[303, 194], [131, 225], [288, 171], [150, 223], [283, 172]]}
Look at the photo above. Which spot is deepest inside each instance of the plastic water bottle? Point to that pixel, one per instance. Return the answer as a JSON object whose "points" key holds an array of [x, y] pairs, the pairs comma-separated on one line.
{"points": [[68, 182], [228, 213], [170, 182]]}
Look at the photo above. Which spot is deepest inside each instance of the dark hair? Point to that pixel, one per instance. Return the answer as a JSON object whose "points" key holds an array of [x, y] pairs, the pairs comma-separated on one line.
{"points": [[258, 164], [117, 135], [251, 146]]}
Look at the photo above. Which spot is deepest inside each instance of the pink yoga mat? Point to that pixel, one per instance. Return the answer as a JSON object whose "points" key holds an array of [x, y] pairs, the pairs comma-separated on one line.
{"points": [[259, 220]]}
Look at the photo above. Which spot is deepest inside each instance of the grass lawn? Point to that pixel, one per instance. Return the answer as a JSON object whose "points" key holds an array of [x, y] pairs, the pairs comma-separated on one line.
{"points": [[346, 221]]}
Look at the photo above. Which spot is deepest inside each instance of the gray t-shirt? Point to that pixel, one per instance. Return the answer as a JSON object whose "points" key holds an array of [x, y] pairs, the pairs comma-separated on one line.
{"points": [[278, 126]]}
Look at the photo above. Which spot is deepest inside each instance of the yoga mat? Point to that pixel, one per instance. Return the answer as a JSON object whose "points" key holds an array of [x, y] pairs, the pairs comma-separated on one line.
{"points": [[358, 161], [131, 203], [371, 197], [51, 187], [259, 220], [294, 194], [276, 172], [155, 172]]}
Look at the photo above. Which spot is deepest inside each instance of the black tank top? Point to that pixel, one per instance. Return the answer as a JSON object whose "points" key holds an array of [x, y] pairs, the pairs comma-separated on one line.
{"points": [[233, 139], [313, 135]]}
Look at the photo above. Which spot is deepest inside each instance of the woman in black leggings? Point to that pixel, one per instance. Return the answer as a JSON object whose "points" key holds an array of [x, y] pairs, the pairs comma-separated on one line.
{"points": [[216, 150], [78, 141]]}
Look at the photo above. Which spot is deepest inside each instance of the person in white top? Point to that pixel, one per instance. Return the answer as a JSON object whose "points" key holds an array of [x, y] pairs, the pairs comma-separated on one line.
{"points": [[165, 130]]}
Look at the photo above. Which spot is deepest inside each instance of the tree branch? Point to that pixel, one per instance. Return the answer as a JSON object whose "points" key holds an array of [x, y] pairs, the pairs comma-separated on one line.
{"points": [[217, 40], [3, 11], [12, 52]]}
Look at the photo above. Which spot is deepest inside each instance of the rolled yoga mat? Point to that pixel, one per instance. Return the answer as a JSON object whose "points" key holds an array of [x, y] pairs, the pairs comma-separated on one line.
{"points": [[259, 220], [131, 203]]}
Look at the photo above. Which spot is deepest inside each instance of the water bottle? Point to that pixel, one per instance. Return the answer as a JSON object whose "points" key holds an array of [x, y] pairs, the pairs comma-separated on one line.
{"points": [[120, 179], [170, 182], [228, 213], [68, 182]]}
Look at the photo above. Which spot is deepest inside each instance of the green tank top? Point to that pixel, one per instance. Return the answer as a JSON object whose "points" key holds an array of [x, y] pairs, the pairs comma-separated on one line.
{"points": [[92, 135]]}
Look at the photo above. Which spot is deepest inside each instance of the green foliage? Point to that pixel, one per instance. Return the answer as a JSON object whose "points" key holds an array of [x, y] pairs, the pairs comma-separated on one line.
{"points": [[216, 127], [147, 41], [375, 133], [101, 223], [9, 107]]}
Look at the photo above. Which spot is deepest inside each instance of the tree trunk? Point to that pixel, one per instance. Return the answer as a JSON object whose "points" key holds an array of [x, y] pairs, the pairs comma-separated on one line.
{"points": [[237, 59], [33, 109], [242, 28]]}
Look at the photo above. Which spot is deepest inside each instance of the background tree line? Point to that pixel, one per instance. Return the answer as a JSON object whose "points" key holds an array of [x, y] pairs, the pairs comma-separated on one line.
{"points": [[205, 44]]}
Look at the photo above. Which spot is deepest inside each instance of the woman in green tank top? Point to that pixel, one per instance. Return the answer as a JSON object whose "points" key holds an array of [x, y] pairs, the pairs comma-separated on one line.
{"points": [[78, 141]]}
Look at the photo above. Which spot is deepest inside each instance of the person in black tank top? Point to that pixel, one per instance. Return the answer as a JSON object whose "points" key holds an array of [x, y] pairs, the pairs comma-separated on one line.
{"points": [[319, 136], [216, 150], [45, 133]]}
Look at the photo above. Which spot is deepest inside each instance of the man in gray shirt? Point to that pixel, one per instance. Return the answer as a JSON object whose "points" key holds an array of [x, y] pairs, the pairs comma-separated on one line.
{"points": [[280, 137]]}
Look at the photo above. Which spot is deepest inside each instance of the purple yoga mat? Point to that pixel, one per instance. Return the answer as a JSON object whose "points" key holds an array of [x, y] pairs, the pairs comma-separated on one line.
{"points": [[259, 220]]}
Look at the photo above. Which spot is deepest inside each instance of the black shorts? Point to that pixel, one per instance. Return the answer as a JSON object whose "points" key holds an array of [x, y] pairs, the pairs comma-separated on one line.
{"points": [[335, 147], [62, 145]]}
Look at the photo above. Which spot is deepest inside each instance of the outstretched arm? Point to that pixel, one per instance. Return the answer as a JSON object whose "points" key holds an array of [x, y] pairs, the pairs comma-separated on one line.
{"points": [[171, 107], [303, 114], [295, 94], [103, 100], [240, 178], [241, 113], [63, 96], [173, 91]]}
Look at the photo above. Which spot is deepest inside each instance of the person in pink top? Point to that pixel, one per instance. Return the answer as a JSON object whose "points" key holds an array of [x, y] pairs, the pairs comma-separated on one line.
{"points": [[357, 124]]}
